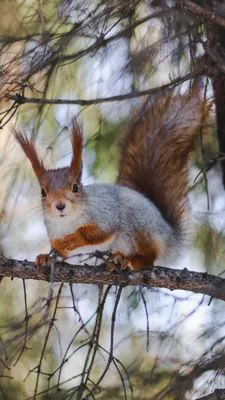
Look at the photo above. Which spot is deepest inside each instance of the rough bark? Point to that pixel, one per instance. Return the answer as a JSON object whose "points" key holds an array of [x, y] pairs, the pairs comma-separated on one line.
{"points": [[218, 394], [161, 277]]}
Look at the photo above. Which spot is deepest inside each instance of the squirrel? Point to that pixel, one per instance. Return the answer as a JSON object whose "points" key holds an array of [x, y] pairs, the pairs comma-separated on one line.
{"points": [[143, 218]]}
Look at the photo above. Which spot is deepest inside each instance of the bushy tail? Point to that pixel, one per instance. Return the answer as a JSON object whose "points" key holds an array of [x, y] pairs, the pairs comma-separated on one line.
{"points": [[156, 148]]}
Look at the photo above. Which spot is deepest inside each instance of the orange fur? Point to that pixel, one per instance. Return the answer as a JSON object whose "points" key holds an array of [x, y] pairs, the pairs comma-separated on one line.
{"points": [[156, 149], [138, 263], [86, 235], [42, 259], [31, 153], [147, 251], [77, 147]]}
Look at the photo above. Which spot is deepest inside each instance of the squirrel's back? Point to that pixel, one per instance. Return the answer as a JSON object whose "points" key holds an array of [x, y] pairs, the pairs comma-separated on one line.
{"points": [[156, 148]]}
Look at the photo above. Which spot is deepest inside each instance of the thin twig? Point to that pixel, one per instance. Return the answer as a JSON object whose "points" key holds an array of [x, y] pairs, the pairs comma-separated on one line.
{"points": [[26, 322], [46, 341], [113, 320], [131, 95]]}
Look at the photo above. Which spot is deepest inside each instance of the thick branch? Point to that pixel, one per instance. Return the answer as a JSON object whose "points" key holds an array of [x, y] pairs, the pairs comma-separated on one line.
{"points": [[218, 394], [196, 9], [172, 279], [131, 95]]}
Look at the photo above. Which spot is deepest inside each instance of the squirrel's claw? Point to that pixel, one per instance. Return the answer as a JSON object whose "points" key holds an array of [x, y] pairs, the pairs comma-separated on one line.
{"points": [[116, 261], [42, 259], [46, 259], [111, 266]]}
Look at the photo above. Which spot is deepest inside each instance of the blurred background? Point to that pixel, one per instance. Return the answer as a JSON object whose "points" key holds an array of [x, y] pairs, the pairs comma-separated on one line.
{"points": [[167, 345]]}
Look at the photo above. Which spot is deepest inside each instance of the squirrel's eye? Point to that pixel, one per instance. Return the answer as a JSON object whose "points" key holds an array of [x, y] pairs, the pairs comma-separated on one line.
{"points": [[43, 192], [75, 188]]}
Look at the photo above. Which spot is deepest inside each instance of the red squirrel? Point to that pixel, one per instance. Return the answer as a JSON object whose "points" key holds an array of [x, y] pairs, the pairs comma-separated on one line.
{"points": [[142, 219]]}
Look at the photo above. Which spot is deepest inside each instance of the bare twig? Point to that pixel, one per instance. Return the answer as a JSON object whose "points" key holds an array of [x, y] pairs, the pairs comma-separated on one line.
{"points": [[131, 95], [110, 358], [46, 341], [147, 318], [201, 141], [100, 42], [24, 347]]}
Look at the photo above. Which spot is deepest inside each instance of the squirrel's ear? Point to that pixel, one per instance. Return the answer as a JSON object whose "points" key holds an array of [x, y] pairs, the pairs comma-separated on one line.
{"points": [[30, 151], [77, 147]]}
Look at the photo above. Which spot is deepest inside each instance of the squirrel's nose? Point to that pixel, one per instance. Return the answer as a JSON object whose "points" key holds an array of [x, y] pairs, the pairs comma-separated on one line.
{"points": [[60, 206]]}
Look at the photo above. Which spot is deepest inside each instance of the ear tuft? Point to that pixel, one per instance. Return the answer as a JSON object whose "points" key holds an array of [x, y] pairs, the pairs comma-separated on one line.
{"points": [[77, 148], [31, 153]]}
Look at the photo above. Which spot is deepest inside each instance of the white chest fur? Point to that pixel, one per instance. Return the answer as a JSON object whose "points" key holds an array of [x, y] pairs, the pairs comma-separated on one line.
{"points": [[59, 227]]}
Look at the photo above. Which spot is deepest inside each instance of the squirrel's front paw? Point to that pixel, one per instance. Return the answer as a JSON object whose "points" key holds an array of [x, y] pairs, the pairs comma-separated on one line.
{"points": [[46, 259], [42, 259], [116, 261]]}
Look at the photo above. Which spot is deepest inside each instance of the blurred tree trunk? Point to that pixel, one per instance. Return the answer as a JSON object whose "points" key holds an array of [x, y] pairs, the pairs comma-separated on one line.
{"points": [[216, 57]]}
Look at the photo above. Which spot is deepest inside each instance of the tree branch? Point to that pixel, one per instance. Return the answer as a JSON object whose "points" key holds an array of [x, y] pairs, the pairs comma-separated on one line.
{"points": [[218, 394], [131, 95], [196, 9], [162, 277], [100, 42]]}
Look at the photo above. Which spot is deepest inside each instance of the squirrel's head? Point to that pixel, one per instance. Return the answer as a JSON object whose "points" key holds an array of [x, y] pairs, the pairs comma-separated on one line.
{"points": [[61, 188]]}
